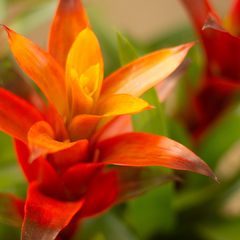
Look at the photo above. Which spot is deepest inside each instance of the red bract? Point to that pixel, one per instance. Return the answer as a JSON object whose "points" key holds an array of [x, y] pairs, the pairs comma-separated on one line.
{"points": [[221, 77], [64, 148]]}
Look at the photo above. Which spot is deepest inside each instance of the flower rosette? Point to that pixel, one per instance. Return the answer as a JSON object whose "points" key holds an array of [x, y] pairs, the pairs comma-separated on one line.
{"points": [[64, 147]]}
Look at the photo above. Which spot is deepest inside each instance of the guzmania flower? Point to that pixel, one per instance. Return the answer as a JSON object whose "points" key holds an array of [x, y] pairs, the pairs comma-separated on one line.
{"points": [[63, 147]]}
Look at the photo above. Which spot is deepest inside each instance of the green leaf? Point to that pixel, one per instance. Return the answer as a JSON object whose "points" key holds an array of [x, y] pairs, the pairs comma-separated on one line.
{"points": [[126, 51], [220, 138], [10, 176], [98, 236], [160, 201], [220, 230], [108, 226], [152, 120], [3, 9], [152, 212]]}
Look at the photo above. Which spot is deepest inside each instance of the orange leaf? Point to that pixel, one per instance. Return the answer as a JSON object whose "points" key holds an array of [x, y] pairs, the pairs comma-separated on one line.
{"points": [[42, 68], [121, 104], [142, 149], [41, 140], [69, 21], [144, 73]]}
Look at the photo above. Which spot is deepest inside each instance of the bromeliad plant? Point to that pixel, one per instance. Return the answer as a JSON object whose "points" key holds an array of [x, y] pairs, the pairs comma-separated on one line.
{"points": [[220, 78], [64, 147]]}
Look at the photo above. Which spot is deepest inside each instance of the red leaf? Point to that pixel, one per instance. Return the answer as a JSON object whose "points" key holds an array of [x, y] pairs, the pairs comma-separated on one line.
{"points": [[45, 216], [142, 149], [101, 194], [12, 110]]}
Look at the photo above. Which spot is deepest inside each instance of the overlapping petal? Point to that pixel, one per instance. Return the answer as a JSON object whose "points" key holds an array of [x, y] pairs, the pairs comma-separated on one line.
{"points": [[13, 108], [66, 158], [121, 104], [83, 126], [45, 216], [142, 149], [41, 140], [69, 21], [42, 68], [143, 73]]}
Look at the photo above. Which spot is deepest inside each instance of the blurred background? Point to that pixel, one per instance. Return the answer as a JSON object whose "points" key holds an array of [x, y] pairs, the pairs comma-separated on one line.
{"points": [[197, 208]]}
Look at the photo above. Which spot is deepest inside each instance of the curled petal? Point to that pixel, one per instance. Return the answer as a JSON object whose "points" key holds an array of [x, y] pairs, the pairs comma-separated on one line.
{"points": [[42, 68], [41, 140], [57, 124], [144, 73], [142, 149], [121, 104], [16, 115], [69, 21], [45, 217], [84, 72], [11, 209], [41, 171]]}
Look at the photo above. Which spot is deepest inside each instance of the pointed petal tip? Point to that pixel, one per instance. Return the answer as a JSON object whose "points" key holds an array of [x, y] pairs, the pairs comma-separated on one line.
{"points": [[151, 107], [212, 22], [8, 30], [189, 45], [214, 177]]}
